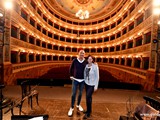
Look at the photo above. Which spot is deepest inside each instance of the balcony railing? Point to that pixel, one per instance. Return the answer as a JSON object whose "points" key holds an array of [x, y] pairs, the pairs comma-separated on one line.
{"points": [[135, 71], [19, 44], [24, 66]]}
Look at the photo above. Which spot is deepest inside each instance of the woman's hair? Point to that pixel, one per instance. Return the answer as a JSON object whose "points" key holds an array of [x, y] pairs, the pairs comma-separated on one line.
{"points": [[91, 57]]}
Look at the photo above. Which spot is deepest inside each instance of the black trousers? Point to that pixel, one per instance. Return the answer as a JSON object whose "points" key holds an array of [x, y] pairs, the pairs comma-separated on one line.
{"points": [[89, 92]]}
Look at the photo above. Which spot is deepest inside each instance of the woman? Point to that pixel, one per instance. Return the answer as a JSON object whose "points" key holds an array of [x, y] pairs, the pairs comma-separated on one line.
{"points": [[91, 77]]}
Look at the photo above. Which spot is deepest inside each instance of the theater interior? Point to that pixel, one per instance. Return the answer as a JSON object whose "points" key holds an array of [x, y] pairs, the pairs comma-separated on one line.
{"points": [[40, 38]]}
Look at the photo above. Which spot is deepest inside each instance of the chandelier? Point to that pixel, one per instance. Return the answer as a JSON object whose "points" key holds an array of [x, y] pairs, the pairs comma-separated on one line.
{"points": [[81, 14]]}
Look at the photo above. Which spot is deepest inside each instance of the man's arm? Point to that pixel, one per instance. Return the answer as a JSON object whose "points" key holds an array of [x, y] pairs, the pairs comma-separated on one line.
{"points": [[71, 69]]}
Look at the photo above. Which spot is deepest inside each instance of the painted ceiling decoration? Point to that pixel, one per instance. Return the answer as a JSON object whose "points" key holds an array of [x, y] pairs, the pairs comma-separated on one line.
{"points": [[96, 8]]}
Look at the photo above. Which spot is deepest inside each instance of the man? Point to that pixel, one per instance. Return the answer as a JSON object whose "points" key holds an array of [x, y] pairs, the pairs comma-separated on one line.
{"points": [[77, 76]]}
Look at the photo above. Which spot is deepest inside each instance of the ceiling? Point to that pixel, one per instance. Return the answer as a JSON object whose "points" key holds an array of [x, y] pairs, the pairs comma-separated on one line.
{"points": [[96, 8]]}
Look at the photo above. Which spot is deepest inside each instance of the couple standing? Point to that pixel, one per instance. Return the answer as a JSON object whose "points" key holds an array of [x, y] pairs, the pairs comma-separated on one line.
{"points": [[82, 73]]}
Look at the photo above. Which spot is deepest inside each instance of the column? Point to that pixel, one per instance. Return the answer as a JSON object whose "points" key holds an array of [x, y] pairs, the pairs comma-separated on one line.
{"points": [[51, 46], [135, 23], [35, 41], [19, 10], [47, 20], [59, 48], [5, 52], [51, 58], [154, 65], [18, 33], [40, 57], [27, 38], [95, 59], [133, 62], [120, 61], [115, 48], [27, 57], [46, 32], [109, 38], [58, 57], [46, 58], [143, 38], [115, 35], [28, 18], [65, 49], [35, 25], [142, 63], [34, 57], [121, 32], [46, 45], [136, 3], [126, 45], [101, 59], [127, 28], [109, 49], [120, 47], [42, 15], [41, 29], [134, 42], [90, 50], [40, 43], [128, 12], [96, 50], [109, 26], [18, 57], [102, 40], [125, 62], [144, 15], [58, 37], [114, 60]]}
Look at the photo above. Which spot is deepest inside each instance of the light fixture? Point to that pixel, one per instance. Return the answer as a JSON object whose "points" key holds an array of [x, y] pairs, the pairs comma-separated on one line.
{"points": [[81, 14], [156, 9], [8, 4], [156, 3], [1, 15]]}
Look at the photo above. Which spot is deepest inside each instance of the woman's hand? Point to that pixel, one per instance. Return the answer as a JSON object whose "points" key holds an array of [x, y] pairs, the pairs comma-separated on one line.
{"points": [[95, 89]]}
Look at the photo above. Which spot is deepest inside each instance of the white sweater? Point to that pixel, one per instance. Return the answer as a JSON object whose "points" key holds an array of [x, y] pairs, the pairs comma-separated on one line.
{"points": [[93, 78]]}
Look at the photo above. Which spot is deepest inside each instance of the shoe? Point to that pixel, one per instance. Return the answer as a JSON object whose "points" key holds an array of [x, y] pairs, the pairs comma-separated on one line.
{"points": [[86, 116], [84, 111], [70, 112], [79, 107]]}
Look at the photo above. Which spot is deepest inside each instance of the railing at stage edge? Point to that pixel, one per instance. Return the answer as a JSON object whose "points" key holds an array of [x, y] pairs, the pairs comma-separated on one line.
{"points": [[21, 66]]}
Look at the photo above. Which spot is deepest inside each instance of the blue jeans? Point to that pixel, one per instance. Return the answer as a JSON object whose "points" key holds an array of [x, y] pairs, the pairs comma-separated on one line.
{"points": [[75, 85]]}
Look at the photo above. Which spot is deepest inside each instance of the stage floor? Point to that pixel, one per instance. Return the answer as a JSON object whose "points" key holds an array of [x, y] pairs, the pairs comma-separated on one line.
{"points": [[108, 104]]}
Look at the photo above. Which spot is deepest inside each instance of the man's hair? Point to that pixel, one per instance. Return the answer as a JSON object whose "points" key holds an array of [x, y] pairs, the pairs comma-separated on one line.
{"points": [[80, 49]]}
